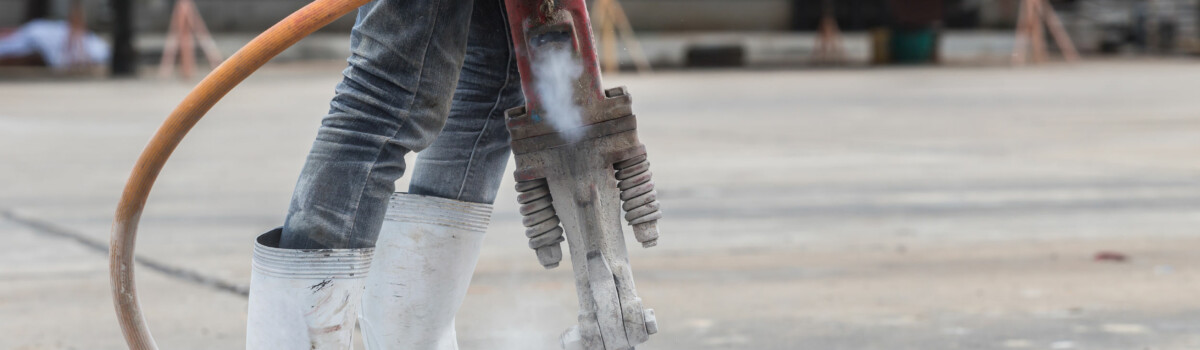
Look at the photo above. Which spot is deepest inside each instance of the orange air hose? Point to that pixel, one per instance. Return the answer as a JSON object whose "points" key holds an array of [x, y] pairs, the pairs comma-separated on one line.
{"points": [[210, 90]]}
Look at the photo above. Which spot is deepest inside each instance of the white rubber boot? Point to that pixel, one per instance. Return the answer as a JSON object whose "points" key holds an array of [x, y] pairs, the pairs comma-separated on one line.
{"points": [[424, 259], [304, 298]]}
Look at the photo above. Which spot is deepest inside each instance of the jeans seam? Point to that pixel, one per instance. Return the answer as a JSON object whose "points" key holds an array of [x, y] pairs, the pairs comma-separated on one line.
{"points": [[487, 122], [407, 109]]}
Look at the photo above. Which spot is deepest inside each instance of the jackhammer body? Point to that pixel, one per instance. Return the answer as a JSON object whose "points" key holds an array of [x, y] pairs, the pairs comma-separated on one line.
{"points": [[579, 164]]}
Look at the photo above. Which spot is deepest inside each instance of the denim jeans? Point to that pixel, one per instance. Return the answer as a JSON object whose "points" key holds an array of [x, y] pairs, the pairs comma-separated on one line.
{"points": [[426, 76]]}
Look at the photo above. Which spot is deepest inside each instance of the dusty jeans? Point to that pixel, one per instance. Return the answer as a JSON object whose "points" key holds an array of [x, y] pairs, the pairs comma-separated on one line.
{"points": [[427, 76]]}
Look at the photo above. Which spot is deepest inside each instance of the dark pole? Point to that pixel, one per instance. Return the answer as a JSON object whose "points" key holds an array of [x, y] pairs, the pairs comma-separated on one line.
{"points": [[124, 56], [35, 9]]}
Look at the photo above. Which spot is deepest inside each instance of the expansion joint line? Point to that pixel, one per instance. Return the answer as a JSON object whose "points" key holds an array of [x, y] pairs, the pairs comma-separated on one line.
{"points": [[47, 228]]}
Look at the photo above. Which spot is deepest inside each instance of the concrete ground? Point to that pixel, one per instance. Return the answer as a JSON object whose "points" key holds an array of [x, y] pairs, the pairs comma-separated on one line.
{"points": [[907, 208]]}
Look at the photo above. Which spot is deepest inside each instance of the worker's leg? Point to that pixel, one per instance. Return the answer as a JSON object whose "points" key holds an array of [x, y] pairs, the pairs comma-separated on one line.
{"points": [[467, 161], [431, 237], [394, 98]]}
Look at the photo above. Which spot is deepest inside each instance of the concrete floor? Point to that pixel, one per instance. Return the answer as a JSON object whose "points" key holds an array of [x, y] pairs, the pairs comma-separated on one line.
{"points": [[911, 208]]}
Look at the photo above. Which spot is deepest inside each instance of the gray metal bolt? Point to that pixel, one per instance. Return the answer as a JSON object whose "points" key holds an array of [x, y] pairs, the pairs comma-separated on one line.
{"points": [[651, 321], [647, 233], [550, 255]]}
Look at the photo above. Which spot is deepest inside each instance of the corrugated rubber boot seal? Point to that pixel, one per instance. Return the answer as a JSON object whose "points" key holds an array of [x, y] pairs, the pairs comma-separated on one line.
{"points": [[273, 261], [415, 208]]}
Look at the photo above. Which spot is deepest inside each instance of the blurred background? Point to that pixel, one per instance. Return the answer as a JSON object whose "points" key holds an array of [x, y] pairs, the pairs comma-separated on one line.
{"points": [[849, 174]]}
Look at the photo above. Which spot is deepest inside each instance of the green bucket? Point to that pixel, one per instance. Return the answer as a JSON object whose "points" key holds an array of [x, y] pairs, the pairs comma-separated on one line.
{"points": [[913, 45]]}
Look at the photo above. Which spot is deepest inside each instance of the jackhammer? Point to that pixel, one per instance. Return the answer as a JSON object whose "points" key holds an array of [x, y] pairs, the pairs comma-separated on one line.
{"points": [[579, 165], [575, 169]]}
